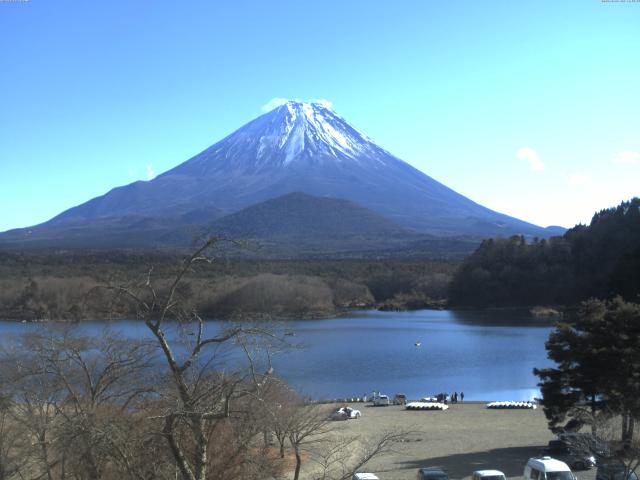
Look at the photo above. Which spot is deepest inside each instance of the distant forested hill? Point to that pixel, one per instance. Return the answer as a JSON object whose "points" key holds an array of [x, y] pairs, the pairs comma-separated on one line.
{"points": [[599, 260]]}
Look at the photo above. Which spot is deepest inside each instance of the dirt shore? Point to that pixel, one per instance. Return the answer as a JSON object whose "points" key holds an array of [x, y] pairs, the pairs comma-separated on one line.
{"points": [[465, 438]]}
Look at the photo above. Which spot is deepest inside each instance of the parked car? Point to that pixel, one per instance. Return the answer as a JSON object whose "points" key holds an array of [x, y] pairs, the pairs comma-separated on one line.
{"points": [[488, 475], [432, 473], [400, 399], [614, 471], [381, 400], [547, 468], [600, 449], [346, 413], [364, 476], [576, 458]]}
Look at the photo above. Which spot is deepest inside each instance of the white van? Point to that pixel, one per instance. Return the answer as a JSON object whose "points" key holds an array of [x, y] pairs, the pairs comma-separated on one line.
{"points": [[547, 468], [381, 400]]}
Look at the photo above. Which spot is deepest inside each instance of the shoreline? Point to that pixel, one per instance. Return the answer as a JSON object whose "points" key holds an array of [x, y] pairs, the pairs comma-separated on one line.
{"points": [[550, 314]]}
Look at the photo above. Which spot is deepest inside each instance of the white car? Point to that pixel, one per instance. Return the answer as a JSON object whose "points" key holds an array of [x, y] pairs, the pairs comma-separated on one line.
{"points": [[345, 413], [488, 475]]}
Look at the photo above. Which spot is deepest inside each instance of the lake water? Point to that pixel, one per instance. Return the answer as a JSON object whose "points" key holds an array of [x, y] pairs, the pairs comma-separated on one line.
{"points": [[488, 355]]}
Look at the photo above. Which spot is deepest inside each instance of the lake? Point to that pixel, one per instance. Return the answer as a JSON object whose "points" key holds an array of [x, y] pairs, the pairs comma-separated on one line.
{"points": [[488, 355]]}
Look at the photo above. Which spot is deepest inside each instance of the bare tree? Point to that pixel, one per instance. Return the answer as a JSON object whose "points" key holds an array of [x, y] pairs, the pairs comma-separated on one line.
{"points": [[35, 409], [279, 411], [340, 457], [306, 428], [70, 394], [13, 442], [98, 380], [198, 402]]}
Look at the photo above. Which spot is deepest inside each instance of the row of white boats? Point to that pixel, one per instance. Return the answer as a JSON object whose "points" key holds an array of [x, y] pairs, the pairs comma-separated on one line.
{"points": [[492, 405]]}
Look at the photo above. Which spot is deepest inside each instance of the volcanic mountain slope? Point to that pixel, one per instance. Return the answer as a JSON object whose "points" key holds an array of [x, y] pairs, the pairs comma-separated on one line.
{"points": [[297, 147], [299, 215], [302, 225]]}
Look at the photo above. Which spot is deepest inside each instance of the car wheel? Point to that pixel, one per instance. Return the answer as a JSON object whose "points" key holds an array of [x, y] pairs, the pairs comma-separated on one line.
{"points": [[357, 416], [579, 466]]}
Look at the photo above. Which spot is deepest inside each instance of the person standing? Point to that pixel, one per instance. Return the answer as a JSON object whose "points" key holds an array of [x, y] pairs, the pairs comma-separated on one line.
{"points": [[461, 397]]}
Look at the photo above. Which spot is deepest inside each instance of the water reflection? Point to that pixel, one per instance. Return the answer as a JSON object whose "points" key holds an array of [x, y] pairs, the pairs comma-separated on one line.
{"points": [[502, 318]]}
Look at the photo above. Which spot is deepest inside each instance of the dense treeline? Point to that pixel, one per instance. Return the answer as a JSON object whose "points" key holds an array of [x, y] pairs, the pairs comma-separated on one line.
{"points": [[68, 287], [599, 260]]}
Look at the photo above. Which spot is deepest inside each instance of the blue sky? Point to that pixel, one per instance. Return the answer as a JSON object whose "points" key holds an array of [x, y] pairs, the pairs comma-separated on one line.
{"points": [[530, 108]]}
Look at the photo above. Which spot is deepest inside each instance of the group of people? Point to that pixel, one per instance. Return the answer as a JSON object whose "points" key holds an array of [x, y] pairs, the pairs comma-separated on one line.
{"points": [[455, 397]]}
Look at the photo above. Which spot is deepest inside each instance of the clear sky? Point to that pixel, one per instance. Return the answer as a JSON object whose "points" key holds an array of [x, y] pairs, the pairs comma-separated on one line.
{"points": [[531, 108]]}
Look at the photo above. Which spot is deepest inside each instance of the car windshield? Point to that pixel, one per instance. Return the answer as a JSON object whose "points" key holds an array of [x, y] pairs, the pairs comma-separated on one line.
{"points": [[560, 476]]}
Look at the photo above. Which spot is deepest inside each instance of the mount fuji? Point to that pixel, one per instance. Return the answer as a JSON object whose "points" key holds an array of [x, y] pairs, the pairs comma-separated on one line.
{"points": [[296, 148]]}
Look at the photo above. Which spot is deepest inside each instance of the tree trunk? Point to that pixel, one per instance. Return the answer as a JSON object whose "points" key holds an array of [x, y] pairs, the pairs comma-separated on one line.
{"points": [[91, 466], [44, 451], [202, 442], [296, 475], [627, 428], [63, 465], [594, 422], [178, 455]]}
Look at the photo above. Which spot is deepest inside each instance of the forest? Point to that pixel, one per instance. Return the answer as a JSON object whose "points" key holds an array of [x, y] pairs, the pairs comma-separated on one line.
{"points": [[600, 260], [75, 286]]}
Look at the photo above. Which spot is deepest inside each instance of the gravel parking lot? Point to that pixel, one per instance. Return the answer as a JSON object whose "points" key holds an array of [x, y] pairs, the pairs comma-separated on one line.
{"points": [[465, 438]]}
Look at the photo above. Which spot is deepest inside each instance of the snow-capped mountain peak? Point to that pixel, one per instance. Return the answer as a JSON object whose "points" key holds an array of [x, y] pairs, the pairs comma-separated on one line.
{"points": [[317, 129], [295, 133]]}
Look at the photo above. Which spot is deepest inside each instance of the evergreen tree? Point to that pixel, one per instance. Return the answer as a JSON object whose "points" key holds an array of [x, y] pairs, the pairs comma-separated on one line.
{"points": [[598, 365]]}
